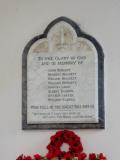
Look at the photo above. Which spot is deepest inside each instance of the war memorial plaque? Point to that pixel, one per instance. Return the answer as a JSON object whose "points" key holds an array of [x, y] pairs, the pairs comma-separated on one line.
{"points": [[63, 85]]}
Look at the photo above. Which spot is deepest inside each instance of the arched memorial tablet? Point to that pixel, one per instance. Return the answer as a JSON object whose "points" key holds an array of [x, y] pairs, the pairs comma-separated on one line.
{"points": [[63, 79]]}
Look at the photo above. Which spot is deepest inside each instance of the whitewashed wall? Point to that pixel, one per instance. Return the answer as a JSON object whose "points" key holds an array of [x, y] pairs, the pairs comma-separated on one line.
{"points": [[21, 20]]}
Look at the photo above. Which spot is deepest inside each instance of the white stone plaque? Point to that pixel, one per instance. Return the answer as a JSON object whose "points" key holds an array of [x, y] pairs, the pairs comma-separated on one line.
{"points": [[61, 87]]}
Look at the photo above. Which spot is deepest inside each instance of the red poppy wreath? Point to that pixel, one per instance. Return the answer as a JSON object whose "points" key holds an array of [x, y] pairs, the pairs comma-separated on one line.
{"points": [[75, 151]]}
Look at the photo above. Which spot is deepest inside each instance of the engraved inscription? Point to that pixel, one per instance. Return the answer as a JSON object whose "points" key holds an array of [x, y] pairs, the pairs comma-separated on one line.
{"points": [[62, 78]]}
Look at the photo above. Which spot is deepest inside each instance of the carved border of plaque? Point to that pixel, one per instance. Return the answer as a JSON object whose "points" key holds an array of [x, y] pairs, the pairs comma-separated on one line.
{"points": [[101, 117]]}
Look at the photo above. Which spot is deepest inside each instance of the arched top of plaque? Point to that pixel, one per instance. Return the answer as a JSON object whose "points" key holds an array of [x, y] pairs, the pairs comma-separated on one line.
{"points": [[66, 32], [63, 73]]}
